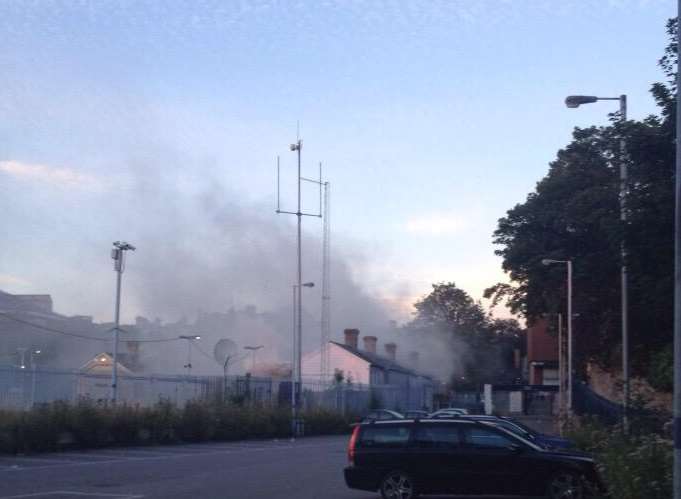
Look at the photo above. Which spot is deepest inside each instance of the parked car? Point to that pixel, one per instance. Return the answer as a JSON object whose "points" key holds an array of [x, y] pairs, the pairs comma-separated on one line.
{"points": [[543, 439], [413, 414], [402, 459], [382, 415], [524, 431], [447, 413]]}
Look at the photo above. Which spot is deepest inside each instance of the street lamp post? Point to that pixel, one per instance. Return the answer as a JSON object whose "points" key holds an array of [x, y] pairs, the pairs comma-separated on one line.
{"points": [[568, 263], [296, 365], [118, 256], [574, 101], [189, 338]]}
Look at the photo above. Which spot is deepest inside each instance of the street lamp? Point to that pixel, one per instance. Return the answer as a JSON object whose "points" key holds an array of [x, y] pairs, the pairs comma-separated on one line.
{"points": [[118, 256], [190, 338], [253, 350], [296, 365], [573, 101], [568, 263]]}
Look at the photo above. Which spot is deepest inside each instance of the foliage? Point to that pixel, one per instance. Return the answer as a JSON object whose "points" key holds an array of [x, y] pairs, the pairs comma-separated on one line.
{"points": [[635, 467], [87, 424], [450, 314], [662, 370], [574, 214]]}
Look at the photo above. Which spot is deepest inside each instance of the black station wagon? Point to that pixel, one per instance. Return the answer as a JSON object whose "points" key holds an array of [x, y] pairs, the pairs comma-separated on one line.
{"points": [[403, 459]]}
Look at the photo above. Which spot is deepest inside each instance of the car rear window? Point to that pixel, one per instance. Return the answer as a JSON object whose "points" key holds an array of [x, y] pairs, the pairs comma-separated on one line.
{"points": [[437, 437], [384, 436]]}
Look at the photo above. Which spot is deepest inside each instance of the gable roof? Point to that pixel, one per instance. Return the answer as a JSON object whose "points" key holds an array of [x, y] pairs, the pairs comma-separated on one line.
{"points": [[379, 361], [106, 359]]}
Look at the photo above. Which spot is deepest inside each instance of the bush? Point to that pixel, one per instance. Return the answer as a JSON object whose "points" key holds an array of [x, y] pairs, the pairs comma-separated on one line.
{"points": [[633, 467], [87, 424], [661, 372]]}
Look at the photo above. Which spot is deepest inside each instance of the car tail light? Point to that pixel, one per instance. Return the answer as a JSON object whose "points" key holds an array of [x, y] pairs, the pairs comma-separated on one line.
{"points": [[352, 444]]}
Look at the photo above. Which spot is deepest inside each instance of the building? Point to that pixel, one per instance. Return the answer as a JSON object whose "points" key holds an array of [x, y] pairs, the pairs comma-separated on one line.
{"points": [[398, 386], [542, 354]]}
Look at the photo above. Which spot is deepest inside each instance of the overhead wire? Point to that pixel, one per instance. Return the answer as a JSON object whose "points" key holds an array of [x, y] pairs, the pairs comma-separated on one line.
{"points": [[82, 336]]}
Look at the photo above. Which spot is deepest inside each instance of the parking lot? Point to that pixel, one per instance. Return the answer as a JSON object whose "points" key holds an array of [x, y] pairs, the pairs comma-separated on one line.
{"points": [[309, 468]]}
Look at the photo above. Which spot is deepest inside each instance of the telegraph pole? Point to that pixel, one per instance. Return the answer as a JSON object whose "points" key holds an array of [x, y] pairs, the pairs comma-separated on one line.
{"points": [[118, 256], [326, 286]]}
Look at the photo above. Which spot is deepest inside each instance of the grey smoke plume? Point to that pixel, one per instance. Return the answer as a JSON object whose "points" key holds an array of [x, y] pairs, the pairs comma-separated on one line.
{"points": [[203, 249]]}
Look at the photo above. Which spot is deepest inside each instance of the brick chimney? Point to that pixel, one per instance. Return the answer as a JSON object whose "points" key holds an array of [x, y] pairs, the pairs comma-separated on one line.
{"points": [[370, 343], [414, 359], [351, 337], [391, 351]]}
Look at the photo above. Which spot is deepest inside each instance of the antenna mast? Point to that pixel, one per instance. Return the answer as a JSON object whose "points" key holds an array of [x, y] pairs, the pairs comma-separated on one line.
{"points": [[296, 365], [326, 286]]}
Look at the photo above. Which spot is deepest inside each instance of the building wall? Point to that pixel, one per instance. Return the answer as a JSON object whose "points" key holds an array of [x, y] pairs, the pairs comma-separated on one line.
{"points": [[353, 367], [541, 346]]}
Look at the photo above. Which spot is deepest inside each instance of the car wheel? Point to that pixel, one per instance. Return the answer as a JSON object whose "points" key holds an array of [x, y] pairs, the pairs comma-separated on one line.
{"points": [[565, 485], [398, 485]]}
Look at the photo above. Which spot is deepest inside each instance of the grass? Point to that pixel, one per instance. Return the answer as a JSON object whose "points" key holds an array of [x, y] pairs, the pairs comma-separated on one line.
{"points": [[86, 424], [637, 466]]}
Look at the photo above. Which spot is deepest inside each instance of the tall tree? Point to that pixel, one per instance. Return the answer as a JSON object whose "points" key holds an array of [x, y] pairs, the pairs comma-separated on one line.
{"points": [[574, 214], [483, 345]]}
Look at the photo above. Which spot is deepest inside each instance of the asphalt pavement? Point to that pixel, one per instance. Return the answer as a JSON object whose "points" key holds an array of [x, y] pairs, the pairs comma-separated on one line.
{"points": [[309, 468]]}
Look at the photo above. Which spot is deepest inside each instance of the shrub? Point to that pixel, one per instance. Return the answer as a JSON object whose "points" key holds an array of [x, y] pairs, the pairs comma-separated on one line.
{"points": [[661, 372], [633, 467], [87, 424]]}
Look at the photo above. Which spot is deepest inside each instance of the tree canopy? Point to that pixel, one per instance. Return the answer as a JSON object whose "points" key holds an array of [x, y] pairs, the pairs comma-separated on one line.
{"points": [[482, 345], [574, 214]]}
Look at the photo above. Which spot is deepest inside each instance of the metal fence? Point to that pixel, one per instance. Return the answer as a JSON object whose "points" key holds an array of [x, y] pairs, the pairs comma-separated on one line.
{"points": [[23, 388]]}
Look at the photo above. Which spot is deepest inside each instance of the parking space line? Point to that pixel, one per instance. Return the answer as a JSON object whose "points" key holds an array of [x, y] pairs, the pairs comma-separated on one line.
{"points": [[56, 459], [74, 493]]}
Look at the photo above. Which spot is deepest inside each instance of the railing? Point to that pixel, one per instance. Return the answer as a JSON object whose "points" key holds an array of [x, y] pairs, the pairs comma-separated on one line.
{"points": [[23, 388]]}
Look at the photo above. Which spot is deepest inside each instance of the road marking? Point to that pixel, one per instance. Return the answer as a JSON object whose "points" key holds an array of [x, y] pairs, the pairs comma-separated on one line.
{"points": [[121, 457], [74, 493], [57, 458]]}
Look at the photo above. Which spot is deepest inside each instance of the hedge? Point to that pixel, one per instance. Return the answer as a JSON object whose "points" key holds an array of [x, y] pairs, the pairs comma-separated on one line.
{"points": [[86, 424]]}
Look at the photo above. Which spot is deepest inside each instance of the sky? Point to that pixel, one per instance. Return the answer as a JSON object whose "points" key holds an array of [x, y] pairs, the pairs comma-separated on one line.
{"points": [[125, 120]]}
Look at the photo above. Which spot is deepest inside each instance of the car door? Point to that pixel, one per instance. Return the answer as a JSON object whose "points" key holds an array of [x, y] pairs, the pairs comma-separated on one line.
{"points": [[495, 461], [438, 457], [382, 447]]}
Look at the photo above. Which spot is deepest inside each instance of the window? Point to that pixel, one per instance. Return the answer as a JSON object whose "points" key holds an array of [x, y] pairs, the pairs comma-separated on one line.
{"points": [[482, 437], [437, 437], [384, 436]]}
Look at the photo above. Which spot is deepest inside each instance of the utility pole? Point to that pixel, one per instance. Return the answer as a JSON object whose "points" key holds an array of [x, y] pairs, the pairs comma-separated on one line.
{"points": [[326, 286], [677, 278], [118, 256], [33, 376]]}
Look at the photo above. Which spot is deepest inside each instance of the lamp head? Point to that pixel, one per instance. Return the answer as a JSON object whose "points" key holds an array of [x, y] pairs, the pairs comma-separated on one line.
{"points": [[573, 101]]}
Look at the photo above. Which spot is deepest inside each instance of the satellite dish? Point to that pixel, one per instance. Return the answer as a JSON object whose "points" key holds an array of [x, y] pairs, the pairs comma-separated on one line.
{"points": [[224, 349]]}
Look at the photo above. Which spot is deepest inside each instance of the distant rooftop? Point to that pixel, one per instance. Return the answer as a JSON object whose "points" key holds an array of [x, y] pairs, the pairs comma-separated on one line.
{"points": [[380, 361], [25, 303]]}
